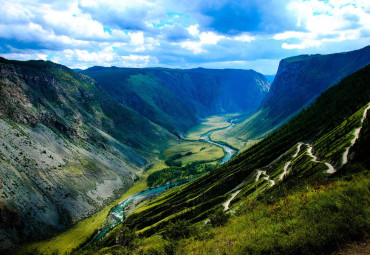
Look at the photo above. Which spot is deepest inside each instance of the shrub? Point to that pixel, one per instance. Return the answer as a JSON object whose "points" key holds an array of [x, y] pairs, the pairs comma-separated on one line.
{"points": [[177, 230], [219, 218], [127, 237]]}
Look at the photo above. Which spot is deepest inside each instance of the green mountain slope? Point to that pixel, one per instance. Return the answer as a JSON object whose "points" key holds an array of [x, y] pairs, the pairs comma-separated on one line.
{"points": [[178, 99], [309, 150], [66, 148], [298, 82]]}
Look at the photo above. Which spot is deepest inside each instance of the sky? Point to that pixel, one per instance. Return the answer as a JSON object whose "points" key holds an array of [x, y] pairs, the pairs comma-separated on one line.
{"points": [[246, 34]]}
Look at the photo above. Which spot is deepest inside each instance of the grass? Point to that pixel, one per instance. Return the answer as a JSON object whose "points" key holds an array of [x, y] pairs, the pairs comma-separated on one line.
{"points": [[308, 221], [248, 132], [69, 240], [200, 151], [213, 122]]}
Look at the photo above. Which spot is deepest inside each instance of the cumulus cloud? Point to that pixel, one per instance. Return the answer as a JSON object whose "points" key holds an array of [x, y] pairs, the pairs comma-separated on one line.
{"points": [[326, 22], [218, 33]]}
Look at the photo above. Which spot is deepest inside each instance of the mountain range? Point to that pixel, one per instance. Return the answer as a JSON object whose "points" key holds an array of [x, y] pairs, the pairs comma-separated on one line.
{"points": [[303, 189], [70, 144], [72, 141], [178, 99], [298, 82]]}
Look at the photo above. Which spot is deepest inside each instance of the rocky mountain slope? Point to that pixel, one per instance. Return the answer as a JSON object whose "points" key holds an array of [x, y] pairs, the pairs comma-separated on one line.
{"points": [[298, 82], [66, 148], [177, 99], [316, 149]]}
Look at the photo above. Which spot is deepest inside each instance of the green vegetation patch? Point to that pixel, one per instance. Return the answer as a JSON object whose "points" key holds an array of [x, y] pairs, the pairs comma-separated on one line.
{"points": [[305, 222], [210, 123], [174, 173], [200, 151]]}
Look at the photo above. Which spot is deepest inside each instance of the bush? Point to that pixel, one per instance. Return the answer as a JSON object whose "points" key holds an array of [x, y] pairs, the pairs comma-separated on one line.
{"points": [[127, 237], [219, 218], [171, 162], [177, 230]]}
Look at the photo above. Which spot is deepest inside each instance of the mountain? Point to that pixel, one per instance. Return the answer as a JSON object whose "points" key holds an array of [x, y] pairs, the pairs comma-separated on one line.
{"points": [[67, 148], [270, 78], [302, 189], [178, 99], [298, 82]]}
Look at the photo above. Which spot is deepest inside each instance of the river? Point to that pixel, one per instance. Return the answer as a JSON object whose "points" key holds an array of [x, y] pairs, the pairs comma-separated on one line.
{"points": [[229, 152], [116, 215]]}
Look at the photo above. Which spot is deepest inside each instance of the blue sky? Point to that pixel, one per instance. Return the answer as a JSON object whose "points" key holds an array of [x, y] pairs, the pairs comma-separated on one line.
{"points": [[249, 34]]}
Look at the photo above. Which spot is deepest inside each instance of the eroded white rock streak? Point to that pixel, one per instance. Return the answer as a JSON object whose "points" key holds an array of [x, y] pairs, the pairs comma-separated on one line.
{"points": [[356, 133]]}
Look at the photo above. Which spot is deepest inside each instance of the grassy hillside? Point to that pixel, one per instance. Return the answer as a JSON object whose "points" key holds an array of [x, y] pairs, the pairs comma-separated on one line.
{"points": [[66, 148], [291, 168]]}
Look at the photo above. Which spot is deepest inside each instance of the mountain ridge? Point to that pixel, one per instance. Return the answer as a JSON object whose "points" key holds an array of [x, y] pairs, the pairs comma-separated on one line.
{"points": [[298, 82], [179, 98], [63, 141]]}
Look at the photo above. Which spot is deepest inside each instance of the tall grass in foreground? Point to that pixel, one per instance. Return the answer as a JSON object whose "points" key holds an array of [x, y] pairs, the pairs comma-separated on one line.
{"points": [[316, 219]]}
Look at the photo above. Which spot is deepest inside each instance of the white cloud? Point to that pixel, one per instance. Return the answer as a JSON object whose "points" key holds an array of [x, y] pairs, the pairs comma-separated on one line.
{"points": [[244, 38], [25, 56], [81, 33], [193, 30], [137, 38], [326, 22]]}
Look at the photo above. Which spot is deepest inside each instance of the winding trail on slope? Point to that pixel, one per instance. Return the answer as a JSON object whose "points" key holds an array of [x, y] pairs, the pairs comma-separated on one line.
{"points": [[356, 133], [288, 163], [330, 169], [267, 177], [227, 203]]}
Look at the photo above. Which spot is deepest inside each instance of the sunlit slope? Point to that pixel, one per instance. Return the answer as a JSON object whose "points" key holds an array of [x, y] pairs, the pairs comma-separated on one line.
{"points": [[298, 82], [309, 146], [66, 148]]}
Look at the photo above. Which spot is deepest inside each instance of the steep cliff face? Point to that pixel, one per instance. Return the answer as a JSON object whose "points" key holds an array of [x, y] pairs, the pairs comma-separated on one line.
{"points": [[298, 82], [177, 99], [66, 148]]}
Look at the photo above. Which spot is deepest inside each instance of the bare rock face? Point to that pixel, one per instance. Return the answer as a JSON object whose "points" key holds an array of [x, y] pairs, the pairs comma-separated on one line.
{"points": [[66, 149]]}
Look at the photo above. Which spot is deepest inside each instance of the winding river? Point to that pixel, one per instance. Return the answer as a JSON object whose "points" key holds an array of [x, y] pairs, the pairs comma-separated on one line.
{"points": [[116, 215], [229, 152]]}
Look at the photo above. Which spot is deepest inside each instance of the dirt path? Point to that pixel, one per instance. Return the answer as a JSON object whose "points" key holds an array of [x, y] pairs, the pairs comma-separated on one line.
{"points": [[288, 163], [330, 169], [356, 133], [227, 203], [267, 177]]}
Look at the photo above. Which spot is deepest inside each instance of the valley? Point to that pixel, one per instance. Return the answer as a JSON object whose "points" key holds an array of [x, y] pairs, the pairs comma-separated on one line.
{"points": [[202, 149], [111, 160], [273, 188]]}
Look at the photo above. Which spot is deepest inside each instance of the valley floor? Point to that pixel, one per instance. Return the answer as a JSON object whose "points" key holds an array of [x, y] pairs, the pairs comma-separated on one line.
{"points": [[75, 237]]}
